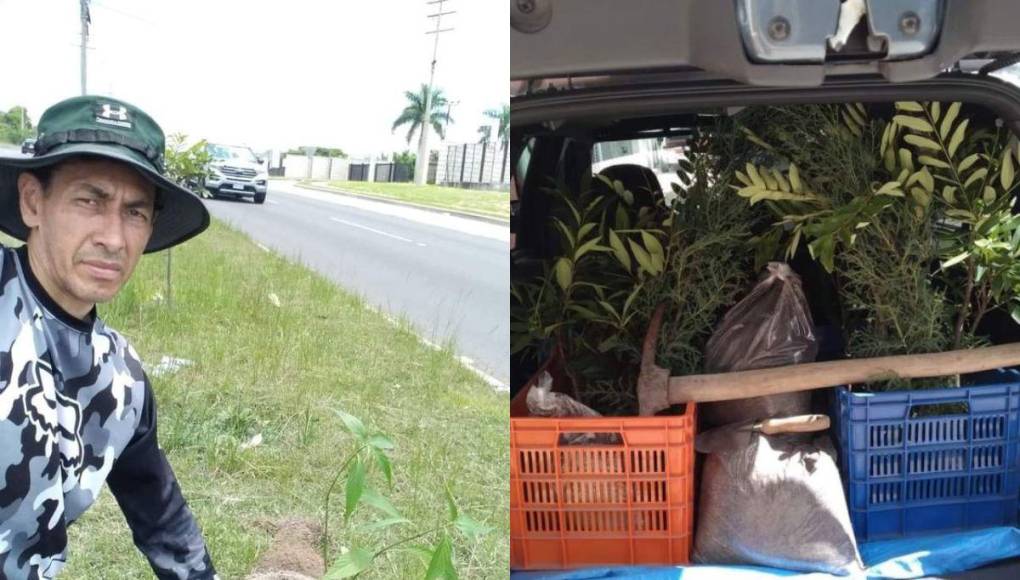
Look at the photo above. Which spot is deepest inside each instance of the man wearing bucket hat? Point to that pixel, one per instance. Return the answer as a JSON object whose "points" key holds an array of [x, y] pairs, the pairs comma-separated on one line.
{"points": [[76, 408]]}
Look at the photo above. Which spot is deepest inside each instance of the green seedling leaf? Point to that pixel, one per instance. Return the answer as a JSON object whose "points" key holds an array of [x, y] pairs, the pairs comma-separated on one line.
{"points": [[906, 159], [975, 177], [890, 188], [955, 260], [355, 487], [926, 180], [1007, 174], [567, 234], [967, 162], [642, 256], [381, 442], [920, 196], [441, 565], [924, 142], [653, 246], [960, 214], [958, 136], [373, 498], [795, 182], [622, 219], [889, 160], [353, 425], [752, 172], [784, 185], [584, 312], [988, 196], [451, 503], [947, 121], [909, 106], [470, 527], [585, 230], [932, 162], [949, 194], [564, 272], [915, 123], [592, 244], [384, 463], [619, 250], [350, 564]]}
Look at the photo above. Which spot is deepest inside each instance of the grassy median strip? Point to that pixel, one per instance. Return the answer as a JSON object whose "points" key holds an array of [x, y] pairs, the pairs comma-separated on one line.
{"points": [[281, 372], [484, 203]]}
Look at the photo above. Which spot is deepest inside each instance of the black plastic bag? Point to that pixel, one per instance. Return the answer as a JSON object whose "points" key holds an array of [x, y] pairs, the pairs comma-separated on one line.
{"points": [[770, 327]]}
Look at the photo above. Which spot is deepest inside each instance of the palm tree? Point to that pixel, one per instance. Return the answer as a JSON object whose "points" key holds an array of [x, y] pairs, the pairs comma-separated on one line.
{"points": [[503, 116], [414, 113]]}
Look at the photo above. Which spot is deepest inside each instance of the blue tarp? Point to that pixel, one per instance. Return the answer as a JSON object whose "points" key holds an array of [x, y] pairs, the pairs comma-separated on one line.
{"points": [[898, 559]]}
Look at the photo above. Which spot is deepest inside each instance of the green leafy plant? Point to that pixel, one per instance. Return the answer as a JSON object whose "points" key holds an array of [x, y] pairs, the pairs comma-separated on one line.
{"points": [[187, 164], [621, 253], [868, 223], [609, 245], [971, 174], [16, 125], [915, 221], [372, 451]]}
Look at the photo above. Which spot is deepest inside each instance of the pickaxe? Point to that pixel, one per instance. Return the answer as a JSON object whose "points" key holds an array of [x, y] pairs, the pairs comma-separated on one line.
{"points": [[657, 390]]}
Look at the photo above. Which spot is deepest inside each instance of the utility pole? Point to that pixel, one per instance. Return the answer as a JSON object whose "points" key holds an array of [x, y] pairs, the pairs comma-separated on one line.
{"points": [[421, 167], [86, 20]]}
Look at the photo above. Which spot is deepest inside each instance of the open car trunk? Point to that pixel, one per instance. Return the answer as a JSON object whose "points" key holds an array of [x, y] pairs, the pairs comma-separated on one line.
{"points": [[590, 72]]}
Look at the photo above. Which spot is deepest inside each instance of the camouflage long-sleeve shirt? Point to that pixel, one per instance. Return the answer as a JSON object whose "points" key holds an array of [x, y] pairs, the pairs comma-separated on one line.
{"points": [[77, 410]]}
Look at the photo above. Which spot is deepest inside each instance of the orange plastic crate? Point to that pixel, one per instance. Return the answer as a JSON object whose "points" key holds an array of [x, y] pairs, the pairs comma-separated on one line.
{"points": [[584, 505]]}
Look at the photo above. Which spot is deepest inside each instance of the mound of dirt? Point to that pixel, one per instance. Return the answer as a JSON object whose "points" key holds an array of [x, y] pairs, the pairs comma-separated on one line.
{"points": [[293, 554]]}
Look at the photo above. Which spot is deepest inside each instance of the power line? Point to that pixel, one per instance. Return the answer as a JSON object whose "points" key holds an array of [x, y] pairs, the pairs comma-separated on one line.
{"points": [[105, 6]]}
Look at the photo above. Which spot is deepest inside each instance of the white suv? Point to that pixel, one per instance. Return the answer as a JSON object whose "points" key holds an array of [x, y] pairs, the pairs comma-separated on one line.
{"points": [[236, 171]]}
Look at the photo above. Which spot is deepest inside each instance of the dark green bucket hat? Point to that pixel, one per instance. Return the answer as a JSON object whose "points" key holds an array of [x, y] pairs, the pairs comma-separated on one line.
{"points": [[103, 127]]}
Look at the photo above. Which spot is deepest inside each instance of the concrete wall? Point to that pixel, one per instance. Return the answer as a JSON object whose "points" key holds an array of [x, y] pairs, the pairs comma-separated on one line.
{"points": [[338, 171], [473, 163], [323, 168]]}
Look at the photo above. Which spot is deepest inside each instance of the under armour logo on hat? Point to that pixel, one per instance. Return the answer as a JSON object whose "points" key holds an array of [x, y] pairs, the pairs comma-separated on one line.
{"points": [[109, 114]]}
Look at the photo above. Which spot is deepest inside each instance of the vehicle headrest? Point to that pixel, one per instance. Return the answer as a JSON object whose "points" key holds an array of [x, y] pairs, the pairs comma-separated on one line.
{"points": [[640, 180]]}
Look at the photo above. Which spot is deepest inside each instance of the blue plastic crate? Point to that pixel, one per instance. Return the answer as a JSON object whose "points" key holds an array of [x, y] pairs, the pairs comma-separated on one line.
{"points": [[907, 476]]}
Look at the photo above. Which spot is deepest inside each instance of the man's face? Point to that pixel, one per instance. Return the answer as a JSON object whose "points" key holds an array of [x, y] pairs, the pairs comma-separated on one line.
{"points": [[89, 228]]}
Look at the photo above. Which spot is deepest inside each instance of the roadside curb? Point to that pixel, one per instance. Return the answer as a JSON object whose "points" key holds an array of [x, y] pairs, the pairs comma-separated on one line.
{"points": [[453, 212]]}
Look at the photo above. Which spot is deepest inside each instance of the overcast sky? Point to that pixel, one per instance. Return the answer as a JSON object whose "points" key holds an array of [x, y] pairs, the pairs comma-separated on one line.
{"points": [[270, 74]]}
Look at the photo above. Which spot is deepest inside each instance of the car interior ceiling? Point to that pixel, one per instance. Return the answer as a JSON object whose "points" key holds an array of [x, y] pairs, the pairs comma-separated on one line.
{"points": [[560, 154]]}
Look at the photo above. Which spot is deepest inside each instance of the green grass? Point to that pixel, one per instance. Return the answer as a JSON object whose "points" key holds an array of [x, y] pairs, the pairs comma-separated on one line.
{"points": [[486, 203], [281, 372]]}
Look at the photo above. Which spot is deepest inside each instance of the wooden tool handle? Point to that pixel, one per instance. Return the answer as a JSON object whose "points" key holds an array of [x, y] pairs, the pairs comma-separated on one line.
{"points": [[757, 383], [798, 424]]}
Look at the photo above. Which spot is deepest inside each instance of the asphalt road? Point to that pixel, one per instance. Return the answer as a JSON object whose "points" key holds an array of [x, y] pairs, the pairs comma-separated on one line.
{"points": [[449, 276]]}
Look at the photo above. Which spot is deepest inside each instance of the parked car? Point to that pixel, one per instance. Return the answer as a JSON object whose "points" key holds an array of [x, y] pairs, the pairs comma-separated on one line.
{"points": [[28, 146], [583, 77], [237, 172]]}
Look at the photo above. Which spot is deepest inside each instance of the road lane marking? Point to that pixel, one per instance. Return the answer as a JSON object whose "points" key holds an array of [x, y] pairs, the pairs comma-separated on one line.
{"points": [[373, 230], [466, 362]]}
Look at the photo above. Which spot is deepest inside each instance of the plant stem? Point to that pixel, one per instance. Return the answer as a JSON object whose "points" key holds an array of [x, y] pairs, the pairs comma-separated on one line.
{"points": [[329, 493], [968, 292], [984, 298], [406, 540]]}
